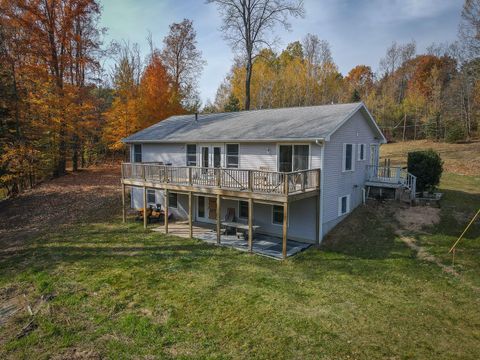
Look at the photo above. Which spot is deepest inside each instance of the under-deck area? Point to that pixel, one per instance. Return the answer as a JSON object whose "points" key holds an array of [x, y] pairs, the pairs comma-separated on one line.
{"points": [[265, 245]]}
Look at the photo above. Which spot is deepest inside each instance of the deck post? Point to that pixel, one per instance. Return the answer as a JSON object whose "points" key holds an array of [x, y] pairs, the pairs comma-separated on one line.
{"points": [[166, 210], [285, 229], [145, 219], [190, 222], [317, 219], [123, 203], [250, 224], [218, 219]]}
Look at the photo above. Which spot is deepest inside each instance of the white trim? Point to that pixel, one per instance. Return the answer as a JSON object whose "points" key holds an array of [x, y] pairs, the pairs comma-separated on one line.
{"points": [[344, 154], [226, 154], [359, 158], [154, 195], [340, 205], [279, 224], [141, 153], [322, 182], [196, 154], [292, 144]]}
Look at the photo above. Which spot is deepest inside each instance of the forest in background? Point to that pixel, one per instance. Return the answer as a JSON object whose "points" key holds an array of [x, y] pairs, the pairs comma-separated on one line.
{"points": [[61, 105]]}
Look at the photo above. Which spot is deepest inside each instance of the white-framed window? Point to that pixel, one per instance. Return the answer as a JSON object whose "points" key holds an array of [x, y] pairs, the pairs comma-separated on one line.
{"points": [[191, 155], [137, 153], [243, 209], [151, 197], [361, 152], [348, 163], [232, 151], [293, 157], [343, 205], [277, 214], [172, 200]]}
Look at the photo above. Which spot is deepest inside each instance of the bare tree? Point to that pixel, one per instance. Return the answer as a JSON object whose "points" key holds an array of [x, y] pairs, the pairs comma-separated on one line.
{"points": [[182, 59], [469, 29], [248, 23]]}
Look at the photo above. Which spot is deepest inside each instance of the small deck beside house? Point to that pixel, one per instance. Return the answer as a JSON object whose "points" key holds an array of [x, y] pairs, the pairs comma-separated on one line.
{"points": [[266, 187], [396, 179]]}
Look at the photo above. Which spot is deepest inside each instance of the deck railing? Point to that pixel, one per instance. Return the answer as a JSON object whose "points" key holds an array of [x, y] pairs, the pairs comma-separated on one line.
{"points": [[392, 175], [260, 181]]}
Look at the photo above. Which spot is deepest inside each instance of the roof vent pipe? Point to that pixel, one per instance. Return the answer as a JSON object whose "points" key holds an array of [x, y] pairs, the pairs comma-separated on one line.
{"points": [[196, 116]]}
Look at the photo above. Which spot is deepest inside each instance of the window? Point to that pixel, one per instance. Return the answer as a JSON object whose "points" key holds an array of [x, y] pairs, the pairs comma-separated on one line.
{"points": [[293, 157], [217, 156], [137, 153], [348, 164], [243, 209], [277, 214], [201, 206], [361, 152], [343, 205], [151, 199], [172, 200], [232, 155], [191, 155]]}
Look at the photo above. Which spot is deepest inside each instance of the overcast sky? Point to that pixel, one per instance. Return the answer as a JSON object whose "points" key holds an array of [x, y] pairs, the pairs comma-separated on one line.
{"points": [[359, 31]]}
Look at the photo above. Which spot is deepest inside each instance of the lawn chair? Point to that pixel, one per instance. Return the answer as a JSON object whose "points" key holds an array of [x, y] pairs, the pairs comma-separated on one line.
{"points": [[230, 217]]}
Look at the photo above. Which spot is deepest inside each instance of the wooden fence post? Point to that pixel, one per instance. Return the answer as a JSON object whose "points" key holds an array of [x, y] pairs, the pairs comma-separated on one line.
{"points": [[145, 218], [218, 219], [250, 224]]}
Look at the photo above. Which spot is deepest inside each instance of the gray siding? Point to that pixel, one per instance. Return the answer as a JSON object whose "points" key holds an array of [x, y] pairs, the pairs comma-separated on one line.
{"points": [[302, 222], [252, 155], [338, 183]]}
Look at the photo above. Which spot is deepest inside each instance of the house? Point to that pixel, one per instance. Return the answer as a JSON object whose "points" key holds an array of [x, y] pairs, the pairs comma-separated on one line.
{"points": [[294, 173]]}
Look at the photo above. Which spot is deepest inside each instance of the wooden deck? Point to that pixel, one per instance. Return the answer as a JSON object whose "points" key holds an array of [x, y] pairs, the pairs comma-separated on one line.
{"points": [[271, 187]]}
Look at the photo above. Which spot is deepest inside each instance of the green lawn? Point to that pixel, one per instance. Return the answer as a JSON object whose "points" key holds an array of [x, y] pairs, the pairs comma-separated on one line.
{"points": [[122, 292]]}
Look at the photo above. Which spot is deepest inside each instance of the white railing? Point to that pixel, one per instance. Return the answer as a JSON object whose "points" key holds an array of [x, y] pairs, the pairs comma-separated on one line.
{"points": [[259, 181], [393, 175]]}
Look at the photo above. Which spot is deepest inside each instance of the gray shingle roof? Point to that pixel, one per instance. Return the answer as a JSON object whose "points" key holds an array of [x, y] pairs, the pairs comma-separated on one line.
{"points": [[312, 122]]}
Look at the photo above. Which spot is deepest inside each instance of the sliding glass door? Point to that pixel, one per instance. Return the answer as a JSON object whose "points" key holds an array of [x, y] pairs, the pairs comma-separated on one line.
{"points": [[293, 157]]}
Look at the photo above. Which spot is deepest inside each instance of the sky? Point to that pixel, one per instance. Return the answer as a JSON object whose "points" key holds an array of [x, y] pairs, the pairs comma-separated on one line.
{"points": [[359, 31]]}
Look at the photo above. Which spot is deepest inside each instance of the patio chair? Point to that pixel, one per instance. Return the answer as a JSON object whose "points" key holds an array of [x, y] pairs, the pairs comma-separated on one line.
{"points": [[230, 217]]}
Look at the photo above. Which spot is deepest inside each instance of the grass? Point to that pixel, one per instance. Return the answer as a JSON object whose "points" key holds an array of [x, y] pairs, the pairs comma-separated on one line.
{"points": [[460, 159], [123, 292]]}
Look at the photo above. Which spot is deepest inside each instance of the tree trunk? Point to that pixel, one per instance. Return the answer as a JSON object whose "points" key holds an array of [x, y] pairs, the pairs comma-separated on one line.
{"points": [[75, 147], [247, 84]]}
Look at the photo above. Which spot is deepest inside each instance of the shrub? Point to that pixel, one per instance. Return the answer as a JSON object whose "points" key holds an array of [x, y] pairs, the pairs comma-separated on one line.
{"points": [[427, 166]]}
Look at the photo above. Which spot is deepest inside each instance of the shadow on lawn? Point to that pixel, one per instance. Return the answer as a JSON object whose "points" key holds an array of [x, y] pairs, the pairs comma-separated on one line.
{"points": [[367, 233]]}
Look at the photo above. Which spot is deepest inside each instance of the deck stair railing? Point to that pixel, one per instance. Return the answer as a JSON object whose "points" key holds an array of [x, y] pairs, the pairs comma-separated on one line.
{"points": [[393, 175], [260, 181]]}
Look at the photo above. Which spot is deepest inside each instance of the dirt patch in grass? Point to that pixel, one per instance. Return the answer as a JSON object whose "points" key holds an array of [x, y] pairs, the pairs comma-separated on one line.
{"points": [[417, 218]]}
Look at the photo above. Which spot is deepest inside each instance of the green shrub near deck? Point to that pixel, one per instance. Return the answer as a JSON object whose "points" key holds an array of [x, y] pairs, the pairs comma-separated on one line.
{"points": [[427, 166]]}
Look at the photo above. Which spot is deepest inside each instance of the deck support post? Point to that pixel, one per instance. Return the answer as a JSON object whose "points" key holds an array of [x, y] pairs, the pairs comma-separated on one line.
{"points": [[123, 203], [285, 230], [317, 219], [218, 219], [190, 219], [166, 210], [145, 219], [250, 224]]}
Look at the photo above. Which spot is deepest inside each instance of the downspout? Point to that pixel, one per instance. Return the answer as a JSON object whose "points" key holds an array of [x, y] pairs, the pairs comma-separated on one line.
{"points": [[321, 142]]}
